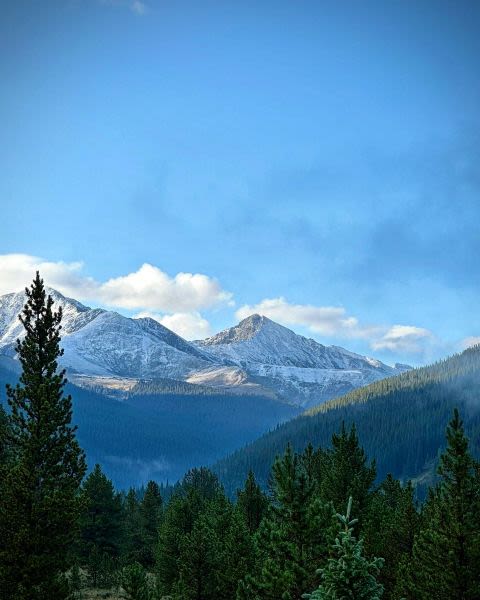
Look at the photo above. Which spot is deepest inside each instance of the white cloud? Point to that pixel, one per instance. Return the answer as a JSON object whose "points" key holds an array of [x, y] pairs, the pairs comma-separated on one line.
{"points": [[191, 326], [403, 338], [470, 341], [18, 270], [148, 288], [151, 288], [335, 322]]}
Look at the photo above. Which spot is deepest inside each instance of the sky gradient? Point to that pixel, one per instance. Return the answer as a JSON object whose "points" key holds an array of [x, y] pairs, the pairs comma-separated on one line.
{"points": [[315, 161]]}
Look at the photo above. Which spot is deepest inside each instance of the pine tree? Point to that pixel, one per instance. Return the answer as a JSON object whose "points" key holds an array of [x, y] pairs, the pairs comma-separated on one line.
{"points": [[291, 536], [135, 583], [100, 520], [39, 504], [236, 558], [252, 503], [132, 539], [150, 511], [390, 527], [199, 562], [198, 487], [446, 556], [348, 575], [345, 473]]}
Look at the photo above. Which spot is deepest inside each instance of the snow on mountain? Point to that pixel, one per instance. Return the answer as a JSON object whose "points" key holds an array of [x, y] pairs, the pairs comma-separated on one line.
{"points": [[100, 342], [257, 356], [294, 366]]}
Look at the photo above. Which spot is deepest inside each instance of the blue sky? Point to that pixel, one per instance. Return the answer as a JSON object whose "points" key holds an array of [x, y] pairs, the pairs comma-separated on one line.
{"points": [[316, 161]]}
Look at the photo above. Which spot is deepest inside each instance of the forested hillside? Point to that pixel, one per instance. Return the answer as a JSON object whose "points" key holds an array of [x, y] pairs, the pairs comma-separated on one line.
{"points": [[400, 421]]}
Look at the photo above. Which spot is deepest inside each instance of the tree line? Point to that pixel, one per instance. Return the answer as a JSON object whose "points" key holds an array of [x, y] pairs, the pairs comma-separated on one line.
{"points": [[326, 528]]}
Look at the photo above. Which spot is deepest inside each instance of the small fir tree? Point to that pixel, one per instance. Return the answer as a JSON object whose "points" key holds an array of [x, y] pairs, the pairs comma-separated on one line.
{"points": [[150, 511], [252, 503], [349, 575], [100, 519]]}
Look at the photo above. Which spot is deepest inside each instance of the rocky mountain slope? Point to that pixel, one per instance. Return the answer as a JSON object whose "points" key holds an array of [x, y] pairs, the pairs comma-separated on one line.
{"points": [[294, 366]]}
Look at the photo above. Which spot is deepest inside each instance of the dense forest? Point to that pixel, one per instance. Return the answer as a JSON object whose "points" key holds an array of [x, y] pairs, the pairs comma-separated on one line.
{"points": [[400, 420], [327, 528]]}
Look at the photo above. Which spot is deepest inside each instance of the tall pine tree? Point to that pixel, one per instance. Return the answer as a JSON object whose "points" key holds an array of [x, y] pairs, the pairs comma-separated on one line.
{"points": [[446, 552], [39, 505]]}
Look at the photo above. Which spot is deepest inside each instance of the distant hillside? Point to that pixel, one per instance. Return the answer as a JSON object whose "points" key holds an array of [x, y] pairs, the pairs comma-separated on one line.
{"points": [[400, 420]]}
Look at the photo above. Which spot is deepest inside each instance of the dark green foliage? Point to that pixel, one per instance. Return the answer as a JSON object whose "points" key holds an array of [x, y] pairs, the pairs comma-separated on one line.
{"points": [[293, 535], [199, 561], [132, 538], [343, 472], [348, 575], [100, 519], [39, 504], [150, 511], [205, 546], [389, 529], [5, 437], [198, 487], [252, 503], [135, 583], [446, 555]]}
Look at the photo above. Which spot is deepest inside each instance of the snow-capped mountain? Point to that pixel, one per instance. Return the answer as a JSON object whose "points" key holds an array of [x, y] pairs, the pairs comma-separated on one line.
{"points": [[256, 356], [104, 343], [294, 366]]}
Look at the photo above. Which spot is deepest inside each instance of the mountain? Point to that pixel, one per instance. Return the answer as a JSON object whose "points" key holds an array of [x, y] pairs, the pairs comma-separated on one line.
{"points": [[400, 421], [295, 367], [260, 357], [104, 343]]}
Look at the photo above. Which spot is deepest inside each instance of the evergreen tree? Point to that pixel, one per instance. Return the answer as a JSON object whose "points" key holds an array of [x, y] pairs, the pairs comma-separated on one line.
{"points": [[390, 526], [132, 539], [197, 489], [39, 504], [252, 503], [291, 537], [344, 472], [135, 583], [236, 558], [100, 520], [150, 511], [199, 562], [348, 575], [446, 556]]}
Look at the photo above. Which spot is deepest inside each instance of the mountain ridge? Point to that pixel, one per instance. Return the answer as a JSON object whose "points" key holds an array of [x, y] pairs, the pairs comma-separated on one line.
{"points": [[256, 356]]}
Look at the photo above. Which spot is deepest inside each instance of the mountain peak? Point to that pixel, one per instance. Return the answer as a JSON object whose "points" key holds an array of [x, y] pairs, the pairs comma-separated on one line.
{"points": [[246, 330]]}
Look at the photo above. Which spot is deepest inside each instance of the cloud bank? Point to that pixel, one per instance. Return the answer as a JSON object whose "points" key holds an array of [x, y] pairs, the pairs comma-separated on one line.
{"points": [[177, 301], [335, 322]]}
